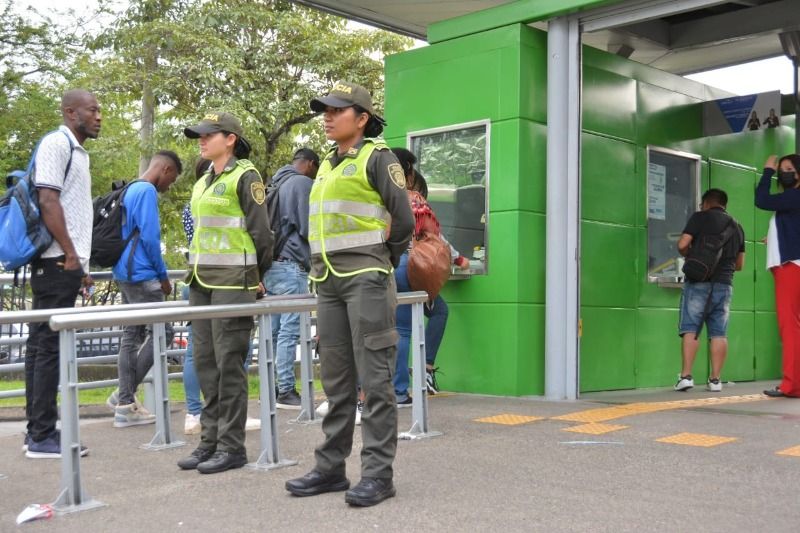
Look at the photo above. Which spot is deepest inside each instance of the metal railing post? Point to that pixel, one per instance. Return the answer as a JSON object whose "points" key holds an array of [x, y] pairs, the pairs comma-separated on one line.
{"points": [[163, 438], [72, 497], [307, 413], [270, 456], [419, 407]]}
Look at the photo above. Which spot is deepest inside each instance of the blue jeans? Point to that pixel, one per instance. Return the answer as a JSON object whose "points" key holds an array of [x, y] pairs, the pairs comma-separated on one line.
{"points": [[284, 278], [434, 330], [695, 300]]}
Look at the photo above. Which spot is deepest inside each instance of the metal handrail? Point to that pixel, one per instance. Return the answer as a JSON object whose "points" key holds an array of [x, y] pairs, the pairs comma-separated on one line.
{"points": [[44, 315], [73, 498], [100, 275]]}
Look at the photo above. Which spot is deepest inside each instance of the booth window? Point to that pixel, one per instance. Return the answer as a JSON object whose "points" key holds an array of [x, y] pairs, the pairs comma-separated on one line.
{"points": [[455, 163], [673, 194]]}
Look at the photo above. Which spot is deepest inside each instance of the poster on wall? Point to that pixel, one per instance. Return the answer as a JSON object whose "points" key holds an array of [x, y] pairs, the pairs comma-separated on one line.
{"points": [[742, 113], [656, 192]]}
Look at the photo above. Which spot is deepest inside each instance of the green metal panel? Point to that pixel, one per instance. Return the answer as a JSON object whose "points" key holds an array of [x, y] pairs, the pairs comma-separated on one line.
{"points": [[658, 349], [740, 365], [608, 344], [764, 293], [516, 179], [767, 346], [744, 283], [608, 180], [439, 86], [524, 11], [608, 276], [740, 184], [609, 103], [503, 355], [665, 117]]}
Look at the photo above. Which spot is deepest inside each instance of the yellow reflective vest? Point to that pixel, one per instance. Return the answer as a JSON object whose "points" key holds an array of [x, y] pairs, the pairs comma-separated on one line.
{"points": [[345, 211], [220, 237]]}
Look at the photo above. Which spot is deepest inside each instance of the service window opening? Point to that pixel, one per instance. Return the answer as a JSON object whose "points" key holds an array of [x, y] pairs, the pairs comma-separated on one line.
{"points": [[673, 194], [454, 161]]}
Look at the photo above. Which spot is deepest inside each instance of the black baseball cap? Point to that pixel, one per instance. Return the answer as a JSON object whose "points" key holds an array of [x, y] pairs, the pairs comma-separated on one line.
{"points": [[346, 94], [308, 154], [217, 121]]}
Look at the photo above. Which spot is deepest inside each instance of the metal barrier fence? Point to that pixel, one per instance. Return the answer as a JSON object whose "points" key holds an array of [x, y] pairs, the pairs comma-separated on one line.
{"points": [[73, 498]]}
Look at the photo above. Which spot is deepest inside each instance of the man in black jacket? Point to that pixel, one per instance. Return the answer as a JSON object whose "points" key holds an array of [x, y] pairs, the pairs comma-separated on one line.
{"points": [[288, 206]]}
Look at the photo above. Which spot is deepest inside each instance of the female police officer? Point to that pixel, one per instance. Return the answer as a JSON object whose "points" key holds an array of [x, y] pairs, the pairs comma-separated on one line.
{"points": [[358, 194], [229, 254]]}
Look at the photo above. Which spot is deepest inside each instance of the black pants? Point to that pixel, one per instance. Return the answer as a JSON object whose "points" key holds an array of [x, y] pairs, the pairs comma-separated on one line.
{"points": [[53, 288]]}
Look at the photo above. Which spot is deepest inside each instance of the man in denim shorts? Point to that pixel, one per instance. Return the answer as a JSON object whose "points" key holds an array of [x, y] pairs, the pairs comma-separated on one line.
{"points": [[708, 301]]}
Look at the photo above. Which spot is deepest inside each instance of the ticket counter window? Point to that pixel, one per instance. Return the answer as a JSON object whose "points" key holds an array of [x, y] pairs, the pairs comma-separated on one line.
{"points": [[673, 194], [455, 163]]}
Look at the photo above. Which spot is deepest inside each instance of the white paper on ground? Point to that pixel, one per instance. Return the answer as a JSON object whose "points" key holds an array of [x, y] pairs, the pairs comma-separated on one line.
{"points": [[35, 511]]}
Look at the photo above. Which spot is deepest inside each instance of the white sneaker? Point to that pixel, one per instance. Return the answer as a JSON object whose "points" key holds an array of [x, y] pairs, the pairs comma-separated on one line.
{"points": [[191, 425], [714, 385], [684, 383], [359, 409], [252, 424], [113, 399], [322, 410], [132, 415]]}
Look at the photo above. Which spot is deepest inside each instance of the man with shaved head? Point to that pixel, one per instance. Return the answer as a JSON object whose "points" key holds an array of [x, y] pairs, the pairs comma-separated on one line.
{"points": [[64, 186], [141, 276]]}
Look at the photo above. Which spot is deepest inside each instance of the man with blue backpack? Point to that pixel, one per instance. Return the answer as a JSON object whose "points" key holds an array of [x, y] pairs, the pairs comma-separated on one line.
{"points": [[60, 172]]}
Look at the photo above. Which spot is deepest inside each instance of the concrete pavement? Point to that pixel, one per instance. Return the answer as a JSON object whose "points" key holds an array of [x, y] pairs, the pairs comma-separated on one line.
{"points": [[517, 469]]}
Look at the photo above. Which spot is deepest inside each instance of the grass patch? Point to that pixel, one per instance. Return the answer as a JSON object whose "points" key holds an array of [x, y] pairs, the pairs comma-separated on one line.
{"points": [[98, 396]]}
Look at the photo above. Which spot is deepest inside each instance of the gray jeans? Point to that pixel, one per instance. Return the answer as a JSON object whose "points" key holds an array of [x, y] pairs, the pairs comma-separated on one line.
{"points": [[136, 350]]}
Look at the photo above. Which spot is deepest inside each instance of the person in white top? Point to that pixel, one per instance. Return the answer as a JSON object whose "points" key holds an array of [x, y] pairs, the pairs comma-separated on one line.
{"points": [[63, 183]]}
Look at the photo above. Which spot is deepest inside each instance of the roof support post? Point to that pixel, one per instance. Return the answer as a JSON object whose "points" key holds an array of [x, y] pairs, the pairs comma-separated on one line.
{"points": [[563, 208]]}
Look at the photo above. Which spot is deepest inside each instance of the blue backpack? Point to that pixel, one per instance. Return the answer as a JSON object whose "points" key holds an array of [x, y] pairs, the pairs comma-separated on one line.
{"points": [[23, 235]]}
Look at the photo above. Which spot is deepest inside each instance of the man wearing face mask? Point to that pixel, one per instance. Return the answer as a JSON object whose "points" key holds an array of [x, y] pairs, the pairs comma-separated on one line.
{"points": [[783, 259]]}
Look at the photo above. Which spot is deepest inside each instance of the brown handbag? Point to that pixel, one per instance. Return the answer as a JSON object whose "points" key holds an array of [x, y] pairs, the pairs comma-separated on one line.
{"points": [[429, 258]]}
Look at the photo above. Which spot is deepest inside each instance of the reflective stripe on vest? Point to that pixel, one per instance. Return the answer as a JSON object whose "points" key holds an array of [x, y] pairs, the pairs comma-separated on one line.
{"points": [[223, 259], [350, 208], [343, 242], [221, 222], [221, 238]]}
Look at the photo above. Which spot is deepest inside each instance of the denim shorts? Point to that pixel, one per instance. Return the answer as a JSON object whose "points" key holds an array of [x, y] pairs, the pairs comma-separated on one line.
{"points": [[693, 304]]}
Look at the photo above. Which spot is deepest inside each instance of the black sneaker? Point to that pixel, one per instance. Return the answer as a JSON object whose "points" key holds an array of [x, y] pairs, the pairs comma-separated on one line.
{"points": [[408, 402], [430, 380], [222, 461], [370, 491], [198, 456], [289, 400]]}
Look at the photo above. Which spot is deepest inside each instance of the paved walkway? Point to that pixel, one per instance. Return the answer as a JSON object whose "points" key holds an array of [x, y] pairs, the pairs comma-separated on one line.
{"points": [[616, 462]]}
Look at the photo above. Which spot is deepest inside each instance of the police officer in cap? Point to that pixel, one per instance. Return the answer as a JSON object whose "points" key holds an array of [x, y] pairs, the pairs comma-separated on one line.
{"points": [[360, 223], [228, 256]]}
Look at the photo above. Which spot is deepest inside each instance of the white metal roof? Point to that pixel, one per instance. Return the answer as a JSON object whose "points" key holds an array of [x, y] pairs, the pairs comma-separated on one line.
{"points": [[729, 33]]}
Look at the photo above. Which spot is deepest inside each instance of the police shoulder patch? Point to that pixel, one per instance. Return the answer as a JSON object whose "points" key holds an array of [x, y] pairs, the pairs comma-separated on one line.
{"points": [[258, 192], [349, 170], [397, 175]]}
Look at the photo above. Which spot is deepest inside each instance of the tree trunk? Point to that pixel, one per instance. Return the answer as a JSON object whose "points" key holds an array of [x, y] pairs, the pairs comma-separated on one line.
{"points": [[148, 114]]}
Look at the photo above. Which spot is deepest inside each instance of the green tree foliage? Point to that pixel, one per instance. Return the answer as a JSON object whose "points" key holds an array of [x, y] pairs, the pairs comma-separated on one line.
{"points": [[260, 59]]}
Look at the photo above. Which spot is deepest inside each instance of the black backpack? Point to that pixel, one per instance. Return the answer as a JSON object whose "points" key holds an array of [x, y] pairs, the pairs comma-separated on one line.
{"points": [[109, 217], [705, 253]]}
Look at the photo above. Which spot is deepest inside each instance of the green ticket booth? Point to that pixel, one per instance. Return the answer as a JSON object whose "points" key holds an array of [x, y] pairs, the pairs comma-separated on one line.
{"points": [[474, 111]]}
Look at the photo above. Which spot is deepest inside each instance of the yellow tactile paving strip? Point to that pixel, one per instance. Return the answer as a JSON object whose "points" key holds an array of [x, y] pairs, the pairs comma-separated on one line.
{"points": [[791, 452], [509, 419], [696, 439], [595, 429], [604, 414]]}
